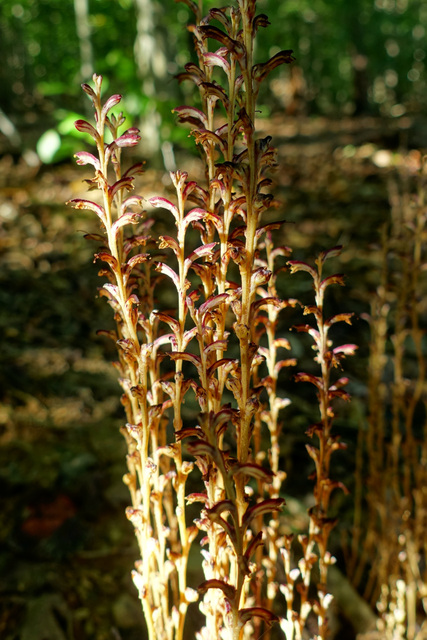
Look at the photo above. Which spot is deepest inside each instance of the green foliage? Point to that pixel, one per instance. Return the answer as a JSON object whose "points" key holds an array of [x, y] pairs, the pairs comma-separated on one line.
{"points": [[353, 55]]}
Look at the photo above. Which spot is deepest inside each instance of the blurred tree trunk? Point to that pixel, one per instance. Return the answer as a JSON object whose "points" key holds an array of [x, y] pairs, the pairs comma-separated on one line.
{"points": [[151, 62], [360, 82], [81, 10], [359, 55]]}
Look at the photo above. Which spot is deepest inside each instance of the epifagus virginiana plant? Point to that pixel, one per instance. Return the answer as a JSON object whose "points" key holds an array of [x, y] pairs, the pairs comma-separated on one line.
{"points": [[393, 479], [218, 348], [328, 358]]}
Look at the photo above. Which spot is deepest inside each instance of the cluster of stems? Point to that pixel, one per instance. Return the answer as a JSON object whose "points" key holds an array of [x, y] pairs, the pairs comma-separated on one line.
{"points": [[388, 547], [218, 350], [157, 473]]}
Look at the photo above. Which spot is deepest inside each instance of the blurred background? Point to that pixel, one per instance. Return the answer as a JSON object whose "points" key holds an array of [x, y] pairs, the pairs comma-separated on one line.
{"points": [[351, 58], [345, 117]]}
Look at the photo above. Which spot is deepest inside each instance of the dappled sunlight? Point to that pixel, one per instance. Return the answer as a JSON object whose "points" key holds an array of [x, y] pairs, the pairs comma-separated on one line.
{"points": [[251, 465]]}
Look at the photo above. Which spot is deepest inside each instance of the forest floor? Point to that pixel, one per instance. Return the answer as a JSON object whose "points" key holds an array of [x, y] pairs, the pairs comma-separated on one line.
{"points": [[66, 549]]}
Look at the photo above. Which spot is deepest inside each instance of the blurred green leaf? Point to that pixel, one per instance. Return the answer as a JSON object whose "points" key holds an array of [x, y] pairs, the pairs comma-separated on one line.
{"points": [[48, 145]]}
